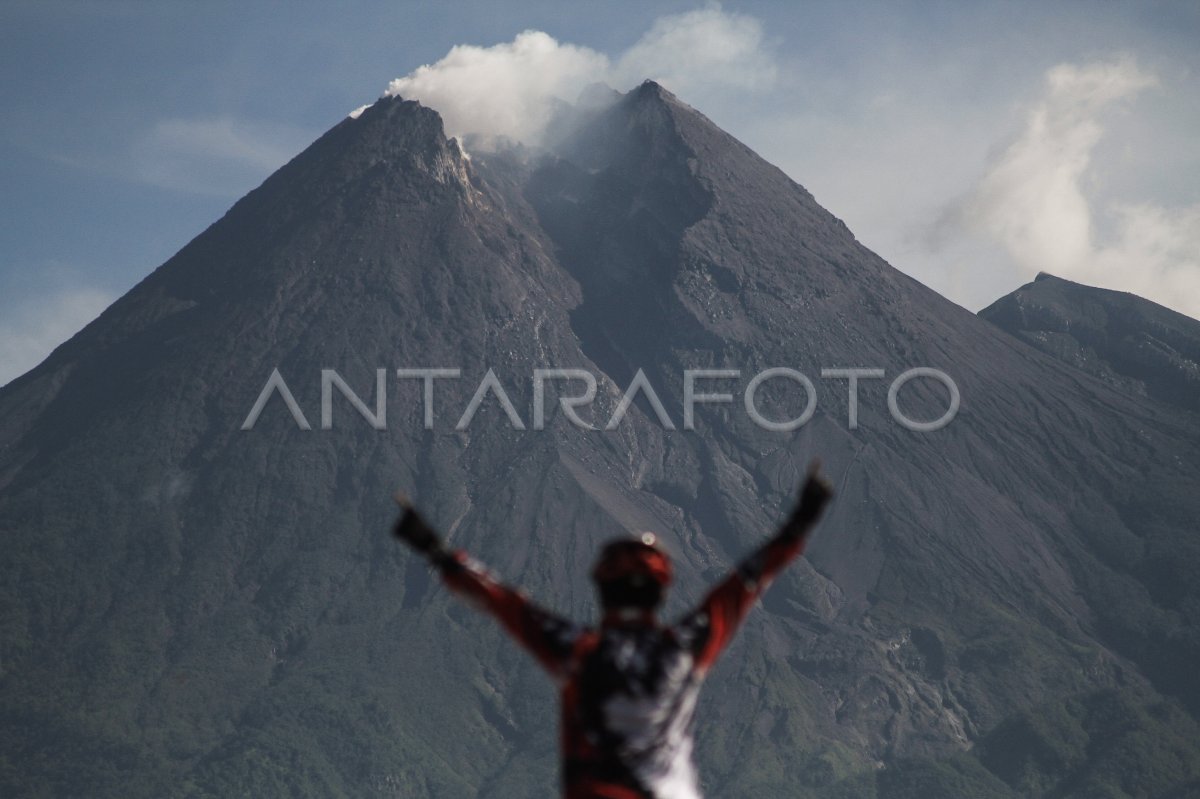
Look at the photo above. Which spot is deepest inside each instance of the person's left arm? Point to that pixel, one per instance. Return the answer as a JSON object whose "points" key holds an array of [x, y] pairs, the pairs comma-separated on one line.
{"points": [[711, 626]]}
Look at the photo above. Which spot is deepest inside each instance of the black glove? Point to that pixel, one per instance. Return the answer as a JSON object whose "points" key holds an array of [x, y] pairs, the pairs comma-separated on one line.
{"points": [[412, 530], [815, 494]]}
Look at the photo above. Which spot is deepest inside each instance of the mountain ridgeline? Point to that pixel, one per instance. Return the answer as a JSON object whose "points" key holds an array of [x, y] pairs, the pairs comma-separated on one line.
{"points": [[1004, 607], [1132, 343]]}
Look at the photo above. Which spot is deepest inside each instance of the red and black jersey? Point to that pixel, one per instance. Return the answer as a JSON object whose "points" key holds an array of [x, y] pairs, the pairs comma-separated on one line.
{"points": [[629, 686]]}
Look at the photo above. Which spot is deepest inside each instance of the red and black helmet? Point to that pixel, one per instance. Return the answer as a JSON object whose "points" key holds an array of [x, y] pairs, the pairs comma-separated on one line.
{"points": [[627, 559]]}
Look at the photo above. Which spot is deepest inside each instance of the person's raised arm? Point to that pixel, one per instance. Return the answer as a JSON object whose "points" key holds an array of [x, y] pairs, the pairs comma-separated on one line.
{"points": [[711, 626], [547, 637]]}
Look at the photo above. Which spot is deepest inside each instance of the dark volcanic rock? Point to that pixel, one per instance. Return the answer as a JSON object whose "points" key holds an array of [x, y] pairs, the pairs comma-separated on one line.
{"points": [[193, 608], [1121, 338]]}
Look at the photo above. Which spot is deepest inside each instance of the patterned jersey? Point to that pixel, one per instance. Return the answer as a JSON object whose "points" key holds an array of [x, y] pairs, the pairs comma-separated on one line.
{"points": [[629, 686]]}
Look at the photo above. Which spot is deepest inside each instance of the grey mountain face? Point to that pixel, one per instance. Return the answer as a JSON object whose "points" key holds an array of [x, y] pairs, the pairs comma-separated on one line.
{"points": [[1123, 339], [1004, 607]]}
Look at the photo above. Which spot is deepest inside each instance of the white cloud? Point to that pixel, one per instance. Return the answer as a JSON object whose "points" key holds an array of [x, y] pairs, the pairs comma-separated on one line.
{"points": [[503, 90], [698, 52], [509, 90], [1037, 198], [214, 155], [1155, 254], [32, 330]]}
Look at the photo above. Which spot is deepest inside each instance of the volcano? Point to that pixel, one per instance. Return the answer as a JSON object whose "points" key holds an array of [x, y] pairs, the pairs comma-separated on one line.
{"points": [[199, 600]]}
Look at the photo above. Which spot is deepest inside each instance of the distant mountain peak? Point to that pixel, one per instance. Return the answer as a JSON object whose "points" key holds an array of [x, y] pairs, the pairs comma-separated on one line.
{"points": [[652, 88], [1126, 340]]}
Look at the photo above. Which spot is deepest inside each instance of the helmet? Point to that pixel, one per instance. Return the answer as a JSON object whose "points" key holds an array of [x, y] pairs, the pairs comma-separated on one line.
{"points": [[633, 561]]}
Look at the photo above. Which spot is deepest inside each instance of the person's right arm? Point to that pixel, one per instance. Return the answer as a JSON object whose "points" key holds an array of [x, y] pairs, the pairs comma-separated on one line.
{"points": [[546, 636]]}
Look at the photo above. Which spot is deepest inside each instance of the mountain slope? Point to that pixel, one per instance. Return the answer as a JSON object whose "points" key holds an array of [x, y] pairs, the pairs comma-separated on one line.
{"points": [[1133, 343], [192, 608]]}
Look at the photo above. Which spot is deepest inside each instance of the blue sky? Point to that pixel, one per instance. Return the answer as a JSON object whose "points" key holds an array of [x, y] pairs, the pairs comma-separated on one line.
{"points": [[969, 144]]}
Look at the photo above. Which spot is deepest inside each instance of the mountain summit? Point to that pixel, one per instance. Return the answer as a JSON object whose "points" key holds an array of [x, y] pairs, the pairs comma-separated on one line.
{"points": [[1135, 344], [202, 601]]}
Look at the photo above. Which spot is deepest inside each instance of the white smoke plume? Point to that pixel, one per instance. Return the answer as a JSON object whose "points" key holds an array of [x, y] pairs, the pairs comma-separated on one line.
{"points": [[1034, 198], [509, 90], [700, 52], [503, 90]]}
